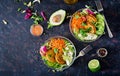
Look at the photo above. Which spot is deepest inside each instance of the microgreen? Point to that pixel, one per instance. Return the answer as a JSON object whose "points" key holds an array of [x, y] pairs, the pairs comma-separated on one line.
{"points": [[77, 16], [25, 3], [49, 25], [84, 31], [55, 50], [19, 9], [30, 12], [83, 24]]}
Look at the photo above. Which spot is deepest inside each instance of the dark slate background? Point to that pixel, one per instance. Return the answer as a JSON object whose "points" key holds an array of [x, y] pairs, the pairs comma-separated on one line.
{"points": [[19, 54]]}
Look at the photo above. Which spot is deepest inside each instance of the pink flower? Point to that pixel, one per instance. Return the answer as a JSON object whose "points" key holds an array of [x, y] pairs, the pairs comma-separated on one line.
{"points": [[27, 16]]}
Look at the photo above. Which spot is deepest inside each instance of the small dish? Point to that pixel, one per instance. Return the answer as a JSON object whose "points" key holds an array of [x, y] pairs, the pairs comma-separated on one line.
{"points": [[36, 30], [87, 25], [58, 57], [102, 52]]}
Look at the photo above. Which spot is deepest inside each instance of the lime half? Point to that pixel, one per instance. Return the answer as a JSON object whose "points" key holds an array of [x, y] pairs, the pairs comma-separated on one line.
{"points": [[94, 65]]}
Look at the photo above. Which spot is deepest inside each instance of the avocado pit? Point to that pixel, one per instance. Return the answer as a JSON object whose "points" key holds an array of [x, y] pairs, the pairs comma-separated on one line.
{"points": [[57, 18]]}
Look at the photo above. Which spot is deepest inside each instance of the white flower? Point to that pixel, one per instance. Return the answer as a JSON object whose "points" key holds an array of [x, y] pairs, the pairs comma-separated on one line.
{"points": [[36, 1]]}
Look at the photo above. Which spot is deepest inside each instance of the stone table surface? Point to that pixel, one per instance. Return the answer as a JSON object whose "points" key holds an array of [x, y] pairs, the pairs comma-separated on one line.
{"points": [[19, 50]]}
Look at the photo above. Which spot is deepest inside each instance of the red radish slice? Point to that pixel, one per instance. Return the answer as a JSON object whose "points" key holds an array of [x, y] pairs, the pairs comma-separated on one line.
{"points": [[43, 49]]}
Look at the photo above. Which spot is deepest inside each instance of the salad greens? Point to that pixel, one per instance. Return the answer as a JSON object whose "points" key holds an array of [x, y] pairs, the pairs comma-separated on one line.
{"points": [[67, 55], [87, 25]]}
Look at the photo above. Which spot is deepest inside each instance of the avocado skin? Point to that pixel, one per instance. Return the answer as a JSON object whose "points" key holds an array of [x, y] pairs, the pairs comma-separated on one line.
{"points": [[60, 12]]}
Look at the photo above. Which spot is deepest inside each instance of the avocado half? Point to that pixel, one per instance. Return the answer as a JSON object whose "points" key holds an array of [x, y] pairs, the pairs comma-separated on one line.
{"points": [[57, 18]]}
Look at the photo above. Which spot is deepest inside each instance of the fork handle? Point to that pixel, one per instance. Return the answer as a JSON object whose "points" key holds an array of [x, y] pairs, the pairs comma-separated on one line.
{"points": [[108, 29], [84, 51]]}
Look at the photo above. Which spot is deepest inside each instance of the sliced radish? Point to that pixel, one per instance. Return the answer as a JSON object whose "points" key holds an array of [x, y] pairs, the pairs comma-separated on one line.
{"points": [[42, 54], [43, 49], [90, 12]]}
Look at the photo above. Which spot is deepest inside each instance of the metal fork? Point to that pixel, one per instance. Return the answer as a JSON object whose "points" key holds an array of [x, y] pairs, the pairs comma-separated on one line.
{"points": [[84, 51], [100, 9]]}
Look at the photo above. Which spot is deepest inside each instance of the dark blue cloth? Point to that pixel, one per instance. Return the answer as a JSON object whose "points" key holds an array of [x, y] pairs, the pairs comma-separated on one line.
{"points": [[19, 50]]}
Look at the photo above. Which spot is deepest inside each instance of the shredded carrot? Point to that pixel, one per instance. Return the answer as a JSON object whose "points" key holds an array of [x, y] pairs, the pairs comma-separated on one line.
{"points": [[77, 22], [57, 43]]}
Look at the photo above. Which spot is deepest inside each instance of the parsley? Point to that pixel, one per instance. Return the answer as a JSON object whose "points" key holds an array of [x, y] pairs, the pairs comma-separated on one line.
{"points": [[84, 31], [55, 50]]}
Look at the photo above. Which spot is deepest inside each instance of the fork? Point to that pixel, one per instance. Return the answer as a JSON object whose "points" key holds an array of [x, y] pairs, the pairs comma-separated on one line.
{"points": [[84, 51], [100, 9]]}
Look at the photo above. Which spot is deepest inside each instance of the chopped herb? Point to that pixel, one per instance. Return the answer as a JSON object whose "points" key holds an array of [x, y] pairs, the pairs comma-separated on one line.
{"points": [[83, 23], [19, 9], [36, 18], [25, 3], [36, 22], [55, 50], [33, 17], [89, 29], [83, 32], [77, 16]]}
